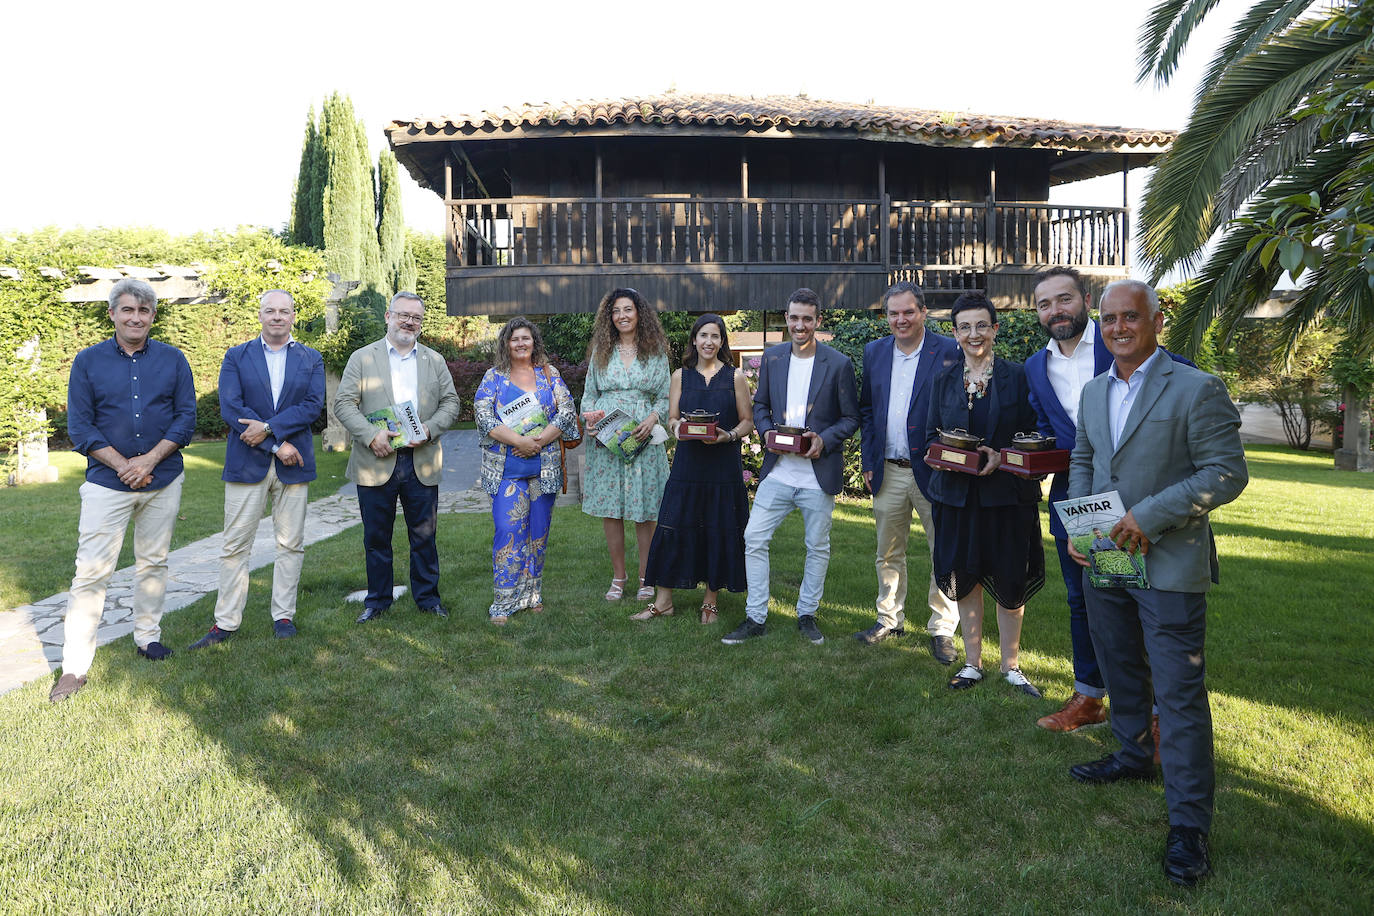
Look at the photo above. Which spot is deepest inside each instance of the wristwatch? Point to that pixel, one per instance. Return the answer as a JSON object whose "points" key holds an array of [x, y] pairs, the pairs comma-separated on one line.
{"points": [[267, 427]]}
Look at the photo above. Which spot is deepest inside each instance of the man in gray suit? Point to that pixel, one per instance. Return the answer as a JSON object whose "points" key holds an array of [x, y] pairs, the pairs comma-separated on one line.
{"points": [[1166, 437], [803, 384], [393, 370]]}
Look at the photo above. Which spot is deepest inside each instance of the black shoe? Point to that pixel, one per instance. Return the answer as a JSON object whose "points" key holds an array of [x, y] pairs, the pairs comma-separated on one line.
{"points": [[283, 629], [877, 633], [371, 613], [806, 625], [1022, 683], [746, 630], [966, 678], [154, 651], [942, 647], [437, 611], [1185, 856], [1109, 769], [213, 638], [67, 685]]}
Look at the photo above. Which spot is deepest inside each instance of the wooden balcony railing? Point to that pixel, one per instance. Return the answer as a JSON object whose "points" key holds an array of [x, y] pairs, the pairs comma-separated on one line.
{"points": [[564, 232]]}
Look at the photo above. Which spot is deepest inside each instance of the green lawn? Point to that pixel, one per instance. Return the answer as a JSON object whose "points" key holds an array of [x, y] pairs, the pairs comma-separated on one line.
{"points": [[38, 539], [578, 762]]}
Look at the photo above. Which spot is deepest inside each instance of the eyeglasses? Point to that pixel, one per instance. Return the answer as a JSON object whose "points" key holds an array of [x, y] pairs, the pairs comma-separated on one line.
{"points": [[407, 318], [965, 330]]}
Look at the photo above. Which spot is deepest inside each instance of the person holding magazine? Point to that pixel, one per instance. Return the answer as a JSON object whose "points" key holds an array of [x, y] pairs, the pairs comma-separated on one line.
{"points": [[523, 408], [700, 532], [987, 526], [625, 398]]}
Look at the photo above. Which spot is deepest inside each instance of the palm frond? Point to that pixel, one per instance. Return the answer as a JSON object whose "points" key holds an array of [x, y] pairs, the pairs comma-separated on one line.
{"points": [[1276, 149], [1263, 21], [1164, 34]]}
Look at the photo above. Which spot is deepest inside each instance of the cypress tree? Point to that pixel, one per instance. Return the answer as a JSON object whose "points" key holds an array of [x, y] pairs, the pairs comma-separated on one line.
{"points": [[305, 202], [344, 187], [391, 230], [371, 252]]}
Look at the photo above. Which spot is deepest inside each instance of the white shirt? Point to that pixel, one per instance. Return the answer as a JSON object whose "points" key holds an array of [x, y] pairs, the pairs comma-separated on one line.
{"points": [[902, 386], [1068, 374], [276, 367], [1121, 395], [794, 470], [405, 375]]}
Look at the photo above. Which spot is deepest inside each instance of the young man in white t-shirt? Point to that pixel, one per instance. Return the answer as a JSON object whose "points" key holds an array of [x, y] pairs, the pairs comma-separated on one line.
{"points": [[809, 385]]}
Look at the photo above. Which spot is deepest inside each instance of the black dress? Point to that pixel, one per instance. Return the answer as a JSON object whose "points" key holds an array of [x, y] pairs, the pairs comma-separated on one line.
{"points": [[997, 547], [700, 533]]}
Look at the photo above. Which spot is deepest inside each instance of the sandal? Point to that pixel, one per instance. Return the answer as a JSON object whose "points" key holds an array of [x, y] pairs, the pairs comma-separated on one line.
{"points": [[617, 589], [966, 678], [537, 609], [646, 592], [652, 611], [708, 613], [499, 619]]}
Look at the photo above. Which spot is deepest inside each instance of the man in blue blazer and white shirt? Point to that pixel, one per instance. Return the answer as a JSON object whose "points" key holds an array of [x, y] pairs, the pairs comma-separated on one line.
{"points": [[894, 398], [804, 384], [1075, 355], [1167, 438], [271, 389]]}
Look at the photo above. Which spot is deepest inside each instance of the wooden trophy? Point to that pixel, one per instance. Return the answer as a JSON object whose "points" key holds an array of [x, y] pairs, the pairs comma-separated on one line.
{"points": [[1034, 455], [956, 450], [786, 439], [699, 425]]}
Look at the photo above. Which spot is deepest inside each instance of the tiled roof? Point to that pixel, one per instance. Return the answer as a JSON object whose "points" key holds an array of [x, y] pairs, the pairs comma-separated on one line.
{"points": [[789, 112]]}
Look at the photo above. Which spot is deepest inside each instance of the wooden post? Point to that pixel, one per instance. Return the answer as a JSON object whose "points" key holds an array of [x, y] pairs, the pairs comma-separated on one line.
{"points": [[450, 230], [744, 207], [885, 220], [1126, 213], [598, 204], [990, 219]]}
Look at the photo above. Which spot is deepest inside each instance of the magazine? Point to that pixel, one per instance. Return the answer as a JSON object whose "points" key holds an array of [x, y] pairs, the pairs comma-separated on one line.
{"points": [[615, 432], [402, 421], [1089, 521], [525, 415]]}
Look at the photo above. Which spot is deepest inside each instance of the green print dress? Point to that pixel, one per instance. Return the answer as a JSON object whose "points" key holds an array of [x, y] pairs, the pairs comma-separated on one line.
{"points": [[612, 488]]}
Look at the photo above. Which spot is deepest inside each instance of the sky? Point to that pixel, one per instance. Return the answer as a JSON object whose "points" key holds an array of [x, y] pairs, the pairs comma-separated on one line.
{"points": [[190, 116]]}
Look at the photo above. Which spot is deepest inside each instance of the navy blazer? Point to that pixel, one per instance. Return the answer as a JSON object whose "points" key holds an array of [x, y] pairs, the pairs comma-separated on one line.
{"points": [[937, 352], [245, 390], [1009, 412], [832, 407], [1051, 417]]}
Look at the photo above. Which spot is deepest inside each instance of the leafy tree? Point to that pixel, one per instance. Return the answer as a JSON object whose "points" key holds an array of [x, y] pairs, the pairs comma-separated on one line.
{"points": [[1278, 158]]}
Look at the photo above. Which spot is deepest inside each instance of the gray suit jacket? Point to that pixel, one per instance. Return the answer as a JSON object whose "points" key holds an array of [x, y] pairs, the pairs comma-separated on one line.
{"points": [[1179, 457], [832, 407], [366, 386]]}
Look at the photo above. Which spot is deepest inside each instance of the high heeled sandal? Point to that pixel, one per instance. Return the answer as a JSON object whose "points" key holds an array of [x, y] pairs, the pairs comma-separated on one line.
{"points": [[617, 589], [646, 592], [652, 611], [708, 613]]}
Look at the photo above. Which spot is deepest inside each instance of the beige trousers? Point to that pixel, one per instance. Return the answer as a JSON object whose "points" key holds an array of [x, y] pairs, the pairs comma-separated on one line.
{"points": [[892, 508], [244, 504], [105, 515]]}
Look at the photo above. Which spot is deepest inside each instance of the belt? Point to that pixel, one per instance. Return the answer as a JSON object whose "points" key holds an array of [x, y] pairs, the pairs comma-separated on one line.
{"points": [[900, 462]]}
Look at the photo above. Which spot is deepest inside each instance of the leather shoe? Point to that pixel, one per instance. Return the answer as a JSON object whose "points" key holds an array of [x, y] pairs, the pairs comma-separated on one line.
{"points": [[877, 633], [283, 629], [154, 651], [437, 611], [371, 613], [1186, 861], [942, 647], [213, 638], [1109, 769], [1079, 711], [67, 685]]}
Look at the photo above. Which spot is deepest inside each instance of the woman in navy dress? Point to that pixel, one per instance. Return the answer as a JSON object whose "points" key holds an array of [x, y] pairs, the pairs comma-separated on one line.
{"points": [[701, 521]]}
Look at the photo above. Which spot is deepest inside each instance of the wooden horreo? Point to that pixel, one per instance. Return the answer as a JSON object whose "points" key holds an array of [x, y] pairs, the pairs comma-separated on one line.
{"points": [[723, 202]]}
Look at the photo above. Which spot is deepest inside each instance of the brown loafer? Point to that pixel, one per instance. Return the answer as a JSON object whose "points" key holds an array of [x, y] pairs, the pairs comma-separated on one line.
{"points": [[1078, 712], [66, 685]]}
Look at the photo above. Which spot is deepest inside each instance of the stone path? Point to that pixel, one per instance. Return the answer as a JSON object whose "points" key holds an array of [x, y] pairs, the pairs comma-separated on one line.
{"points": [[31, 636]]}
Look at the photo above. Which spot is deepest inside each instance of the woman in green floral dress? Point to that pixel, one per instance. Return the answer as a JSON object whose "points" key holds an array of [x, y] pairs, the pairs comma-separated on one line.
{"points": [[627, 369]]}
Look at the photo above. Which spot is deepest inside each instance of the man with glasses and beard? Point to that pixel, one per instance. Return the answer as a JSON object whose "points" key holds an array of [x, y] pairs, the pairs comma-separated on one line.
{"points": [[396, 369]]}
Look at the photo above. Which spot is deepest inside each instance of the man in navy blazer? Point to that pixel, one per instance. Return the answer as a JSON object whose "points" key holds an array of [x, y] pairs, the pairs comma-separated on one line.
{"points": [[1057, 374], [809, 385], [894, 398], [271, 389]]}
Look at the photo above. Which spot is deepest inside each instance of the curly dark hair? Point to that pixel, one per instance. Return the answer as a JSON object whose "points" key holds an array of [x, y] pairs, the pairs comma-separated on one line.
{"points": [[538, 358], [689, 352], [649, 337]]}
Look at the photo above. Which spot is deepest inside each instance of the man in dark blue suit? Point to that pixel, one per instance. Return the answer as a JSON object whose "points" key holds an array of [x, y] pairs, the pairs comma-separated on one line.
{"points": [[1074, 355], [894, 399], [271, 389]]}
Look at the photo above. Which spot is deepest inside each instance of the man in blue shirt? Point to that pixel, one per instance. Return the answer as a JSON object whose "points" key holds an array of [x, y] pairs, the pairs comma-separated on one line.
{"points": [[131, 407]]}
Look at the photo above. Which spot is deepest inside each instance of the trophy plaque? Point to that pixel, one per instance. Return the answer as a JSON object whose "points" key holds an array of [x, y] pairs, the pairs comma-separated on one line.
{"points": [[956, 450], [1034, 455], [699, 424], [786, 439]]}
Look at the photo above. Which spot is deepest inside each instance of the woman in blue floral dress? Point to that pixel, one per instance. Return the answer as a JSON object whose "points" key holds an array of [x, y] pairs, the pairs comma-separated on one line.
{"points": [[523, 408], [628, 369]]}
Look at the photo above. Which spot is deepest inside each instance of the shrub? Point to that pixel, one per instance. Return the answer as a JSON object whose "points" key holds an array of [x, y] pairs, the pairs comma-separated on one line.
{"points": [[208, 421]]}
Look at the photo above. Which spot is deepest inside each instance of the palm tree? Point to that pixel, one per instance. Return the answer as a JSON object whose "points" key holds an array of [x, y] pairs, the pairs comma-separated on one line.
{"points": [[1276, 161]]}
